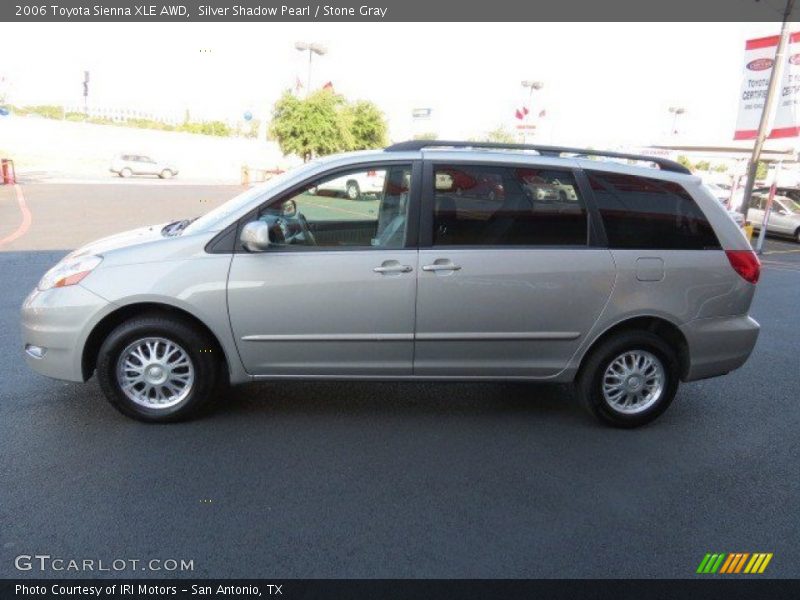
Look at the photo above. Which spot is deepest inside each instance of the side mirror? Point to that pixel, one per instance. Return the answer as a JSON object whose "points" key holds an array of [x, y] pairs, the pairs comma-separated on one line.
{"points": [[783, 212], [255, 236]]}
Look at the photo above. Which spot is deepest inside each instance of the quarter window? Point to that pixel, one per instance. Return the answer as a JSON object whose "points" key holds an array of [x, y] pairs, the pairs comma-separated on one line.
{"points": [[506, 206], [646, 213], [366, 208]]}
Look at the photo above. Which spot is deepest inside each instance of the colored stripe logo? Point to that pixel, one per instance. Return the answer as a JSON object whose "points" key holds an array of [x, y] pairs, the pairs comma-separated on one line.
{"points": [[734, 562]]}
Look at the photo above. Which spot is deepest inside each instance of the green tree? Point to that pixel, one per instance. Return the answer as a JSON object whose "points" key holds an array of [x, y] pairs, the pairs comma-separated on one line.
{"points": [[314, 126], [685, 162], [721, 168], [761, 170], [426, 135], [367, 125], [501, 135], [703, 165]]}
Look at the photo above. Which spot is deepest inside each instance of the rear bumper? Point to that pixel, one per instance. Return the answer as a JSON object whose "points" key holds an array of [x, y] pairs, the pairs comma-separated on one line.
{"points": [[58, 321], [718, 345]]}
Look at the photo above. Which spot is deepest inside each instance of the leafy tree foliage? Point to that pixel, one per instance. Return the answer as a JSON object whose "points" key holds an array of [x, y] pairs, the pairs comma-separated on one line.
{"points": [[427, 135], [703, 165], [325, 123], [367, 125], [501, 135]]}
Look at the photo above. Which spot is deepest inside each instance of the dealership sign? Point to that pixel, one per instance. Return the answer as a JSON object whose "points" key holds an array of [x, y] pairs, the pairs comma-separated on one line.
{"points": [[759, 59]]}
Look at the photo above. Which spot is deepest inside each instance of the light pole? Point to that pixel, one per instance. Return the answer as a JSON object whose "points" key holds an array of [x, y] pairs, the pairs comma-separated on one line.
{"points": [[312, 48], [676, 112], [531, 85]]}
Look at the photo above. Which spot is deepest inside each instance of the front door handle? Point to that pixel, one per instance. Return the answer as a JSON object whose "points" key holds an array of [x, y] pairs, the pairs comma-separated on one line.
{"points": [[441, 266], [392, 266]]}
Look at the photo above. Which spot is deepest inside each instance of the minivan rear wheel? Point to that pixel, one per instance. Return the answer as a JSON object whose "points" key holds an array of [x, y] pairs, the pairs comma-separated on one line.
{"points": [[158, 369], [126, 172], [630, 379]]}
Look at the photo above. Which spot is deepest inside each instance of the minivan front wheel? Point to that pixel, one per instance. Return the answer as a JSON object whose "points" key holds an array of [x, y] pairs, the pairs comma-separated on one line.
{"points": [[157, 369], [630, 379]]}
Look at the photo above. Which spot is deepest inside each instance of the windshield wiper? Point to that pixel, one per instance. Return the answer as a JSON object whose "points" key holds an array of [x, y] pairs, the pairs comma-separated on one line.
{"points": [[176, 227]]}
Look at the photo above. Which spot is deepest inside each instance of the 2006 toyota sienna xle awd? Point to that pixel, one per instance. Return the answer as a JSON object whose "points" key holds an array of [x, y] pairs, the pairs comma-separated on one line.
{"points": [[475, 262]]}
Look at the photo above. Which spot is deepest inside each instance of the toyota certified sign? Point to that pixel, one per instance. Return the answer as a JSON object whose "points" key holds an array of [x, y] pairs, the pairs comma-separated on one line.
{"points": [[759, 61]]}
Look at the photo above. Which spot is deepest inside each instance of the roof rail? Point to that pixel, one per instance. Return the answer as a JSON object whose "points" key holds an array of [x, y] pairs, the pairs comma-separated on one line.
{"points": [[663, 163]]}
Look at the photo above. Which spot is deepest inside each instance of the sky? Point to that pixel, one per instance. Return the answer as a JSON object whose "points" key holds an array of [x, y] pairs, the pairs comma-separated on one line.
{"points": [[603, 83]]}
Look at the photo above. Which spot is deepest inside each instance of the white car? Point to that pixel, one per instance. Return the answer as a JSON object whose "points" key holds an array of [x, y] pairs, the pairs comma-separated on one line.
{"points": [[353, 185], [126, 165], [718, 192]]}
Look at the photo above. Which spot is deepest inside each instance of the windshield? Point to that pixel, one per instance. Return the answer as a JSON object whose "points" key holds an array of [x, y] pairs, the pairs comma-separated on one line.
{"points": [[790, 205], [215, 218]]}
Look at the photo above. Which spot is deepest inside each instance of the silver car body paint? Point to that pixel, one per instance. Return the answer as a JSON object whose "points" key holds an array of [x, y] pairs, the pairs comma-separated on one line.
{"points": [[509, 313]]}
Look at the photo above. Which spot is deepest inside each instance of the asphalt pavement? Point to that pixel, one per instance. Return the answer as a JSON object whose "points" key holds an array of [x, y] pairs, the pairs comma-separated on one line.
{"points": [[392, 479]]}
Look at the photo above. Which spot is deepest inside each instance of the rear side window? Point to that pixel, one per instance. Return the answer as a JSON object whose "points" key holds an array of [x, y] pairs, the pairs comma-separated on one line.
{"points": [[488, 205], [645, 213]]}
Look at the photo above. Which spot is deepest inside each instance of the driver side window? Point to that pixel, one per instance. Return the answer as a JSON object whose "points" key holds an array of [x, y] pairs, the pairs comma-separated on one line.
{"points": [[362, 208]]}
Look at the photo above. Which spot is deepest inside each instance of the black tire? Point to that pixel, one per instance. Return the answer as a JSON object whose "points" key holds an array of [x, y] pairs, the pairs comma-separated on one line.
{"points": [[589, 383], [352, 191], [165, 174], [797, 236], [201, 350], [126, 172]]}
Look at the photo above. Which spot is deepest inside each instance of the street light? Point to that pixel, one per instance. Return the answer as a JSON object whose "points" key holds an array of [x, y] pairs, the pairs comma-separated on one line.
{"points": [[312, 48], [531, 85], [534, 85], [676, 112]]}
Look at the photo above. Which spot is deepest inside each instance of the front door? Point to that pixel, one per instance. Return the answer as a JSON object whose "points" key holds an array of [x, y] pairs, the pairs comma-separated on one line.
{"points": [[509, 285], [335, 292]]}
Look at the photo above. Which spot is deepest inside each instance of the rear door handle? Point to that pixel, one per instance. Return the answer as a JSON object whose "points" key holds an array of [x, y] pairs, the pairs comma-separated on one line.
{"points": [[448, 266]]}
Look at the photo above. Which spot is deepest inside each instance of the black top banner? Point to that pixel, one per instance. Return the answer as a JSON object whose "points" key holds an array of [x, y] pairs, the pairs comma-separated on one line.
{"points": [[393, 10]]}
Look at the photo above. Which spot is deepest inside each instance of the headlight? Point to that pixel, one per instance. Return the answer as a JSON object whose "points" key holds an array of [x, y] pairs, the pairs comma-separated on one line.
{"points": [[69, 271]]}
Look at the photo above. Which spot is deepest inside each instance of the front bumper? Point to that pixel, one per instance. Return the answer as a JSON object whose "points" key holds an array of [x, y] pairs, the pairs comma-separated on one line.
{"points": [[719, 345], [59, 321]]}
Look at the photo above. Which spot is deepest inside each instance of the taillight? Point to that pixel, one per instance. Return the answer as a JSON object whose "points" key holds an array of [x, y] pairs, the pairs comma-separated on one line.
{"points": [[745, 263]]}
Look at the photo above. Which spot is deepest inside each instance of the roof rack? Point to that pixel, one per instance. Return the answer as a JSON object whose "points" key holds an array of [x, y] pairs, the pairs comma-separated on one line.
{"points": [[663, 163]]}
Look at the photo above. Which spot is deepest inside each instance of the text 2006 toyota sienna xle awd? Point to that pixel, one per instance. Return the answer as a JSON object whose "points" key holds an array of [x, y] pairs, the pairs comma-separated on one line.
{"points": [[471, 264]]}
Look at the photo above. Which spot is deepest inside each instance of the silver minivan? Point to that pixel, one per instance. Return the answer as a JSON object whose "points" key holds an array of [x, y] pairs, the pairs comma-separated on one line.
{"points": [[474, 262]]}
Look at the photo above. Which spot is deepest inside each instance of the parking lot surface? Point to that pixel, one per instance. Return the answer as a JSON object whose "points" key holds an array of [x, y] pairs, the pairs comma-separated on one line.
{"points": [[389, 479]]}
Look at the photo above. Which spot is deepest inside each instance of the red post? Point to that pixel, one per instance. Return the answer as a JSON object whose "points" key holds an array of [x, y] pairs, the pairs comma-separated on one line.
{"points": [[9, 174]]}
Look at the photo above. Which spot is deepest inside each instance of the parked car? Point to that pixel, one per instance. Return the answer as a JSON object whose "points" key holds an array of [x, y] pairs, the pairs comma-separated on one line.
{"points": [[637, 283], [784, 217], [719, 192], [126, 165], [354, 186], [792, 193], [723, 195]]}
